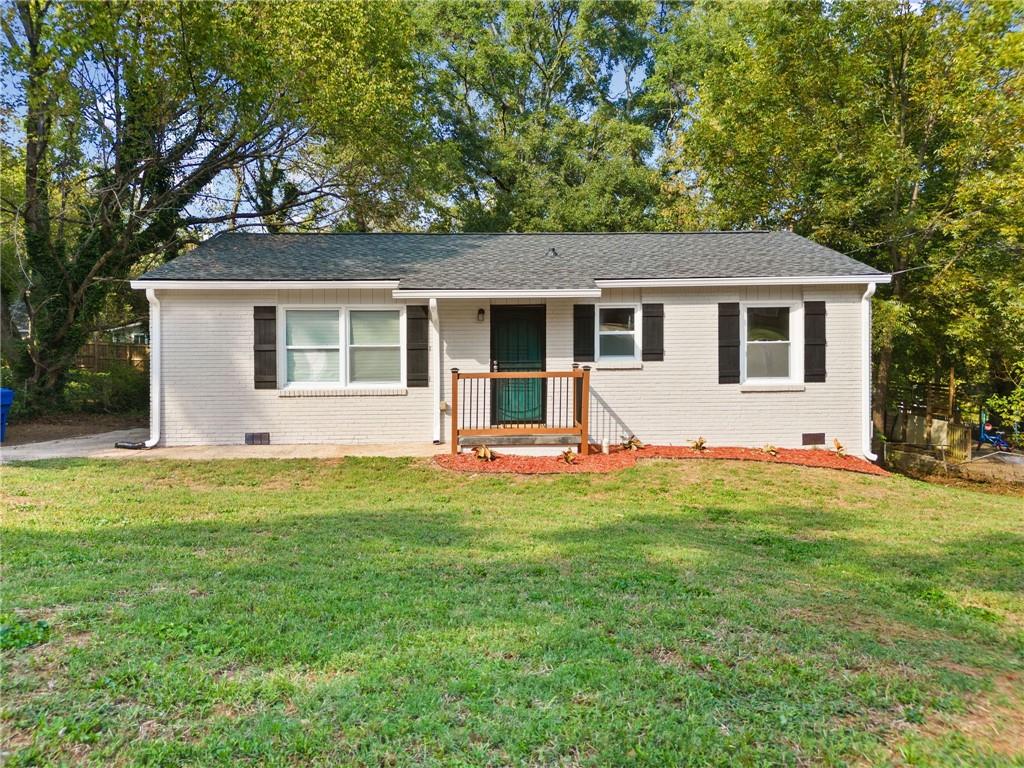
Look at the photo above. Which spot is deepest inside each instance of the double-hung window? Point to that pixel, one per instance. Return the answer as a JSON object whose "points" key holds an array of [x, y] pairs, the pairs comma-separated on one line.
{"points": [[313, 345], [374, 346], [617, 333], [343, 347], [770, 345]]}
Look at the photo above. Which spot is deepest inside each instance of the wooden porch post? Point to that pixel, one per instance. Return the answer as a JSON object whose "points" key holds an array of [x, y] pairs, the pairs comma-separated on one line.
{"points": [[585, 413], [455, 411]]}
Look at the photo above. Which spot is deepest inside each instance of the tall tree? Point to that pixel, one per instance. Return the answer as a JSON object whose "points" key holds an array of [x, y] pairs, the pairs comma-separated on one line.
{"points": [[535, 104], [135, 114], [888, 130]]}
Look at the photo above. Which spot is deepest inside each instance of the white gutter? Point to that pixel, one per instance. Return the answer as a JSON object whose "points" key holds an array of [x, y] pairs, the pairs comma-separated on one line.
{"points": [[261, 285], [541, 293], [435, 368], [706, 282], [865, 331], [154, 369]]}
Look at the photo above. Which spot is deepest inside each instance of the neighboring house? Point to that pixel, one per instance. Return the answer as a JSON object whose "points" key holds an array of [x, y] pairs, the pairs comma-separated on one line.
{"points": [[743, 338], [133, 333]]}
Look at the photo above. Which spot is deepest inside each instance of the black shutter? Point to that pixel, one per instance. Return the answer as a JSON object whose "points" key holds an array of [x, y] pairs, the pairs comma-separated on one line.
{"points": [[417, 354], [583, 332], [729, 343], [814, 341], [654, 332], [264, 349]]}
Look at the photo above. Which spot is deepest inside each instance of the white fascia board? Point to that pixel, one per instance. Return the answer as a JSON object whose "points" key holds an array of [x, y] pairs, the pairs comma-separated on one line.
{"points": [[262, 285], [554, 293], [706, 282]]}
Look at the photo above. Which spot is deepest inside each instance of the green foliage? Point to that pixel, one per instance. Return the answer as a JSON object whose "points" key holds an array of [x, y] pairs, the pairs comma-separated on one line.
{"points": [[888, 131], [17, 632], [541, 137], [137, 114], [20, 406], [1010, 407], [122, 389]]}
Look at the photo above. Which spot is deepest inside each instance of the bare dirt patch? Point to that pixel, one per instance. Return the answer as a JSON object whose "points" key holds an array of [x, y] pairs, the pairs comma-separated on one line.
{"points": [[997, 720], [993, 487], [883, 629], [993, 721]]}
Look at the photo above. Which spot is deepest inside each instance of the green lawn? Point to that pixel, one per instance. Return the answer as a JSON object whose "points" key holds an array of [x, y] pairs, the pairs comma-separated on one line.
{"points": [[381, 612]]}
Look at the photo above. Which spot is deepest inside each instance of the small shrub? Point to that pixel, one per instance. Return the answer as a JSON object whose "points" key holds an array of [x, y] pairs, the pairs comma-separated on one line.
{"points": [[484, 453], [122, 389], [569, 456], [840, 450], [632, 443], [700, 444], [770, 449], [16, 632]]}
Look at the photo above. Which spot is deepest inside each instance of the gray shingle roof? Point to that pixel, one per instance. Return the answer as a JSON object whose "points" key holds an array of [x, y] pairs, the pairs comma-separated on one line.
{"points": [[507, 261]]}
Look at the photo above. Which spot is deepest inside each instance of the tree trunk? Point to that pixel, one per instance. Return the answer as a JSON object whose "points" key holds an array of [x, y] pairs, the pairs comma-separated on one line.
{"points": [[880, 400], [884, 369]]}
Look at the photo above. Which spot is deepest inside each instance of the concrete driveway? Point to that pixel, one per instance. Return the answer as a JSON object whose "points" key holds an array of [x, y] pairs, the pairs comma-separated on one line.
{"points": [[101, 446]]}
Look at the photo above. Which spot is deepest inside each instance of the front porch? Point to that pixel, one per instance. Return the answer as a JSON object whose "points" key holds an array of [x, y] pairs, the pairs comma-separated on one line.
{"points": [[520, 408]]}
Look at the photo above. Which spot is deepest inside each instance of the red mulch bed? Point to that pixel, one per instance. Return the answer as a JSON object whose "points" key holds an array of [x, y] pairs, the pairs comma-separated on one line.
{"points": [[620, 459]]}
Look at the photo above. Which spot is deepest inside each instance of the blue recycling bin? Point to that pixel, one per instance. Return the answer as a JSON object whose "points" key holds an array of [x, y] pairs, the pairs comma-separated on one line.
{"points": [[6, 398]]}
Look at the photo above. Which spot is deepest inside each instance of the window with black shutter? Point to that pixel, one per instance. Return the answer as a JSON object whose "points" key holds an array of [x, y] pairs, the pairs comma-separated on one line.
{"points": [[583, 332], [417, 360], [729, 343], [653, 331], [264, 347], [814, 341]]}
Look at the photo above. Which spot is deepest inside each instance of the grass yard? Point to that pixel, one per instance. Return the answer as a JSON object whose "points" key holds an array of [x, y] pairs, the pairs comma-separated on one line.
{"points": [[382, 612]]}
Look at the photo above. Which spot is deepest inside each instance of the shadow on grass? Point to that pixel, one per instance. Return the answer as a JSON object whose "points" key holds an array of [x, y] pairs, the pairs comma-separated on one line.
{"points": [[302, 587], [390, 610]]}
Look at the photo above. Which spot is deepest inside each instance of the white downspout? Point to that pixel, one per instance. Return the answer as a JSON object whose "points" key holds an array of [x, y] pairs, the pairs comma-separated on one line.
{"points": [[865, 328], [154, 369], [435, 369]]}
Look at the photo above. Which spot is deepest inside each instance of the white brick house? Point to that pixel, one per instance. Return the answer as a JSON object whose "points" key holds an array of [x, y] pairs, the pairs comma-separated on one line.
{"points": [[743, 338]]}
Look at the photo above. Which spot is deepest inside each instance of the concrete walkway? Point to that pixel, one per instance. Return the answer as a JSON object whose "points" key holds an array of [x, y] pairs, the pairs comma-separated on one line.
{"points": [[101, 446]]}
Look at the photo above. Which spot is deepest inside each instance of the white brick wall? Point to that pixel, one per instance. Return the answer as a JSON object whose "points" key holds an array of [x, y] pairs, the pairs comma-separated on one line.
{"points": [[674, 401], [209, 395]]}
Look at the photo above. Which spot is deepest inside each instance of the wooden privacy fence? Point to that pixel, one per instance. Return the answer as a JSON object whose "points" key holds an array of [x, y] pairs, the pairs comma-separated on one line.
{"points": [[958, 442], [521, 408], [102, 356]]}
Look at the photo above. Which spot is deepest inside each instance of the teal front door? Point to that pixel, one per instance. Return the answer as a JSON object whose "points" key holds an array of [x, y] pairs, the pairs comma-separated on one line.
{"points": [[517, 344]]}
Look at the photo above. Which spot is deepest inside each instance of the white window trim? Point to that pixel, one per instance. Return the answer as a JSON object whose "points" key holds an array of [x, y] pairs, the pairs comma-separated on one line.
{"points": [[637, 333], [796, 342], [401, 347], [343, 366]]}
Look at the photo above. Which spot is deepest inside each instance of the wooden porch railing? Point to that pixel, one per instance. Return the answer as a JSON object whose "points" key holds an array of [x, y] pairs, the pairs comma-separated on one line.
{"points": [[524, 407]]}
